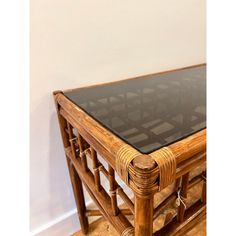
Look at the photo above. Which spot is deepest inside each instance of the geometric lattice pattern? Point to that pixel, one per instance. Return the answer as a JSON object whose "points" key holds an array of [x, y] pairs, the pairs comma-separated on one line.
{"points": [[149, 112]]}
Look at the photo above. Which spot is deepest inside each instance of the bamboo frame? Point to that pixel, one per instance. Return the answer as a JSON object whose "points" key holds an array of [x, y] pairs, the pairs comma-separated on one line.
{"points": [[141, 173]]}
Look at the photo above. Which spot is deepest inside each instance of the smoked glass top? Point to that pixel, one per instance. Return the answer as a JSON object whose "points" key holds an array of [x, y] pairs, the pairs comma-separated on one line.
{"points": [[149, 112]]}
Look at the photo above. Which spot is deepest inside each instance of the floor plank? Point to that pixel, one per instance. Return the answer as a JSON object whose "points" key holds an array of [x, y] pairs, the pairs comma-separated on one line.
{"points": [[102, 227]]}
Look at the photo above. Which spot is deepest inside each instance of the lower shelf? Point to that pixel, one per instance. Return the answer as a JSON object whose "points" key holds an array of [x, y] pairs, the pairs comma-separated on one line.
{"points": [[102, 227]]}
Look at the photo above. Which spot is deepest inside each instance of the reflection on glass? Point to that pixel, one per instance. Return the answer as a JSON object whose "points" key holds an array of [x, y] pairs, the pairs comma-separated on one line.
{"points": [[149, 112]]}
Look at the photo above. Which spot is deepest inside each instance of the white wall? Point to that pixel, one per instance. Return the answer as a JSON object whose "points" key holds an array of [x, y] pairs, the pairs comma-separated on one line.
{"points": [[76, 43]]}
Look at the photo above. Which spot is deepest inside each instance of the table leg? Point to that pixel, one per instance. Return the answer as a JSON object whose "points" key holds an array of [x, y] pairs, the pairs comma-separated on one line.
{"points": [[143, 215], [75, 179], [79, 197]]}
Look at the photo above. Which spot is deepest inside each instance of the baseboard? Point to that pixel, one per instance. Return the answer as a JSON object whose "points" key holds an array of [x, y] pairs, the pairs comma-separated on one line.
{"points": [[66, 224]]}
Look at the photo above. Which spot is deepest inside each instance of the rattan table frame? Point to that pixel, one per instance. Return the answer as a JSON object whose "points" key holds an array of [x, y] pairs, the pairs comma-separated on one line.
{"points": [[83, 138]]}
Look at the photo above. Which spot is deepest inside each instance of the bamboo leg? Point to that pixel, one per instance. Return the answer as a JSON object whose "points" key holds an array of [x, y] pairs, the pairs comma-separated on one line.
{"points": [[143, 215], [75, 180], [79, 197]]}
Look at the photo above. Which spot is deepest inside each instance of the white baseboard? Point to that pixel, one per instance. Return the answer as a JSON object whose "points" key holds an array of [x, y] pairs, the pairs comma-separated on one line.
{"points": [[65, 225]]}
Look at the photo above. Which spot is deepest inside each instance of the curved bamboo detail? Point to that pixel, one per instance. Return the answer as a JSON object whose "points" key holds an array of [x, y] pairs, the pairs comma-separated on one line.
{"points": [[166, 162], [123, 158]]}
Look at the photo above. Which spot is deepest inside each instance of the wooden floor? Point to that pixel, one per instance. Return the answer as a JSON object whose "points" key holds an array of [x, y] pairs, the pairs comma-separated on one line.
{"points": [[102, 227]]}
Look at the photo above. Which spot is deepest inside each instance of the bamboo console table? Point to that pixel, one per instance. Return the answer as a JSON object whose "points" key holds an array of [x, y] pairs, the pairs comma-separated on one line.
{"points": [[147, 133]]}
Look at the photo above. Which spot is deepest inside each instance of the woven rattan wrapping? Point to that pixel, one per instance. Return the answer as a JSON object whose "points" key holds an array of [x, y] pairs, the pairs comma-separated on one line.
{"points": [[166, 162], [124, 156], [164, 158], [128, 232]]}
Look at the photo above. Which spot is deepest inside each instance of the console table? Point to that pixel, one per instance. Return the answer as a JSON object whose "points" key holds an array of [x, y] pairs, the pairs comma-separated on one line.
{"points": [[150, 133]]}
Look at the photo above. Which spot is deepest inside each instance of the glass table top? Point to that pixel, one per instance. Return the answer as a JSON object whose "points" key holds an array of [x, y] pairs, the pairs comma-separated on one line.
{"points": [[149, 112]]}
